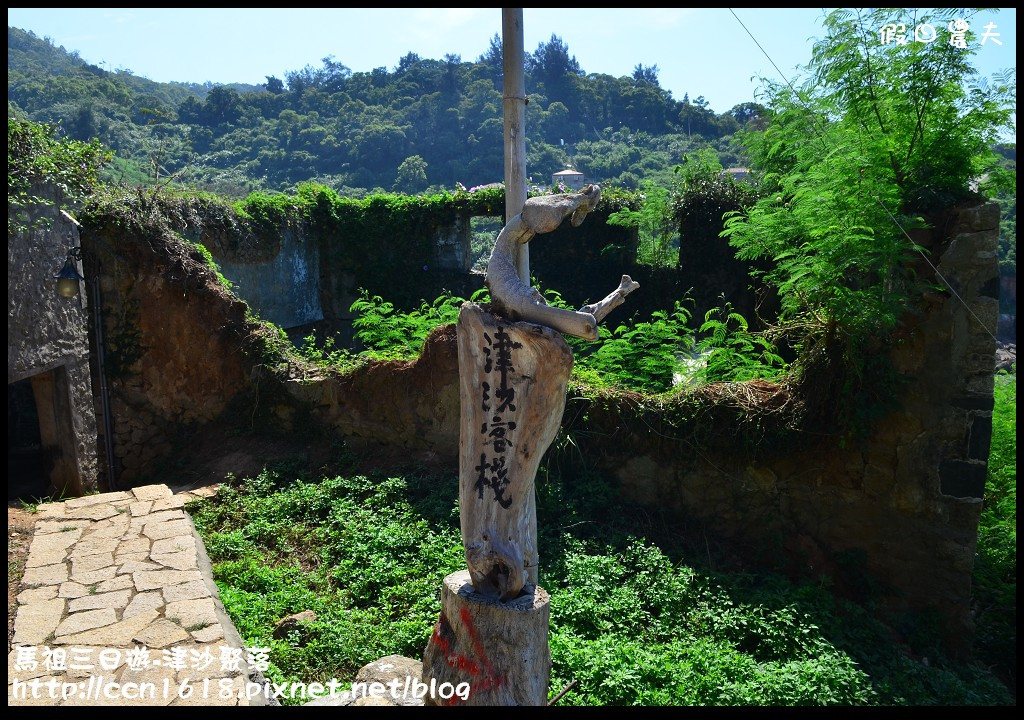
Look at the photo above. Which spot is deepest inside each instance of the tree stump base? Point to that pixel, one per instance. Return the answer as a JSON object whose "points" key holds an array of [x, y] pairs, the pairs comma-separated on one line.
{"points": [[499, 649]]}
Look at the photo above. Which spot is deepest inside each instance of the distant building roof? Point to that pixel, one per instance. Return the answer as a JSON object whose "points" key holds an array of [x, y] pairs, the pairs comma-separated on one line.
{"points": [[566, 172], [740, 173]]}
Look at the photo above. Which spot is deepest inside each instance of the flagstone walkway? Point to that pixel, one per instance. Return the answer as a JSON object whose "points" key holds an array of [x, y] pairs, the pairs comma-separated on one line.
{"points": [[118, 606]]}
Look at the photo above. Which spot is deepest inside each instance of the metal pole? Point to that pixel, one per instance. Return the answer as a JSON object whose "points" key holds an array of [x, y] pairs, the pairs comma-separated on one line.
{"points": [[514, 108]]}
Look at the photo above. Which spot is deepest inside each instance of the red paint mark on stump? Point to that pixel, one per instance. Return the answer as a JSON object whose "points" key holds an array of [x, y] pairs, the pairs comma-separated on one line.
{"points": [[444, 635]]}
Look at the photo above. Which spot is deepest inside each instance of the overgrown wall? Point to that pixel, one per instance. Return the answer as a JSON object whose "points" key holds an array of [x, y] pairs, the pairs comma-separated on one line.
{"points": [[174, 339], [892, 514], [408, 251], [283, 289], [900, 506], [48, 334]]}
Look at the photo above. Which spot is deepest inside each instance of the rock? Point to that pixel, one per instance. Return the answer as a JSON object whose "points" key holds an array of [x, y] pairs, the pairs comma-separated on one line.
{"points": [[292, 622], [390, 681], [396, 674], [1006, 357]]}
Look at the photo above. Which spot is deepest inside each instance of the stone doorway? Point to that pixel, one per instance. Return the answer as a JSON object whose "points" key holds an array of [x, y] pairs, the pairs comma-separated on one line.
{"points": [[41, 455]]}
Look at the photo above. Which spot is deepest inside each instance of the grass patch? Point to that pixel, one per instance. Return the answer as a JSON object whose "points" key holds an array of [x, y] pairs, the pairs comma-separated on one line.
{"points": [[635, 618], [30, 506], [995, 569]]}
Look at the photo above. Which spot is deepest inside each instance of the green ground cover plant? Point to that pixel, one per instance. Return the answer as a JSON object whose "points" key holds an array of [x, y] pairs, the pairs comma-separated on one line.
{"points": [[642, 355], [995, 569], [638, 617]]}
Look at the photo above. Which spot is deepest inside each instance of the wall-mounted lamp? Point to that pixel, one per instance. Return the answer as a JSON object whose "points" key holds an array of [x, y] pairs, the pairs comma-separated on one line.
{"points": [[68, 278]]}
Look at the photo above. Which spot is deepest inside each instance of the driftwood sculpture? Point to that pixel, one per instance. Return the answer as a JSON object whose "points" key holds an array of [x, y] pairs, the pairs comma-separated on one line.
{"points": [[513, 370], [519, 301], [514, 366]]}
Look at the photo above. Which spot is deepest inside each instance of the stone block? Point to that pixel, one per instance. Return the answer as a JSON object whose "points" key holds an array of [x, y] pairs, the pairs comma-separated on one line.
{"points": [[46, 526], [93, 577], [192, 613], [117, 600], [87, 563], [35, 622], [34, 595], [85, 620], [161, 634], [153, 579], [962, 478], [45, 575], [93, 546], [119, 582], [174, 528], [151, 492], [119, 634], [141, 507], [72, 590], [186, 591], [143, 602], [177, 544]]}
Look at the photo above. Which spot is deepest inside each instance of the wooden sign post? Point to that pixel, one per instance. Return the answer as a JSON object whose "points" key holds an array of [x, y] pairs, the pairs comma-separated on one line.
{"points": [[514, 365]]}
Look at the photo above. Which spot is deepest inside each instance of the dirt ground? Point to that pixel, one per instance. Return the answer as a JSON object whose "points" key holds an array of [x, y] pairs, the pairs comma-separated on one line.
{"points": [[19, 528]]}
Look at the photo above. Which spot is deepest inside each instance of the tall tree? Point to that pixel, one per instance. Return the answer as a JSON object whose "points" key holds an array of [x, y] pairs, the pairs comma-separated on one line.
{"points": [[492, 60], [879, 136], [274, 84], [646, 74], [553, 67], [412, 175]]}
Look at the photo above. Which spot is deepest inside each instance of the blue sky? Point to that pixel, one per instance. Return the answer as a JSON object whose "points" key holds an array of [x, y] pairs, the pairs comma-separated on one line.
{"points": [[700, 51]]}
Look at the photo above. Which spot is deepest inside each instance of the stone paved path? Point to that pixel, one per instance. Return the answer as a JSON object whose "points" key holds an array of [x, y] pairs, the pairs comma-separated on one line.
{"points": [[118, 607]]}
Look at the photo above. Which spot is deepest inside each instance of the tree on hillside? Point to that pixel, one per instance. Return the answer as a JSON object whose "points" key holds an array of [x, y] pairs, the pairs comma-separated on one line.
{"points": [[492, 60], [646, 74], [222, 107], [406, 62], [412, 175], [552, 67], [446, 111], [750, 112], [274, 84], [697, 116]]}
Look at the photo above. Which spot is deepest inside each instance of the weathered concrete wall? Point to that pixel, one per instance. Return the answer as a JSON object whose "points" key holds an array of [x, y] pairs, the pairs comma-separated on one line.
{"points": [[285, 288], [452, 249], [287, 282], [901, 506], [411, 405], [1008, 306], [47, 332]]}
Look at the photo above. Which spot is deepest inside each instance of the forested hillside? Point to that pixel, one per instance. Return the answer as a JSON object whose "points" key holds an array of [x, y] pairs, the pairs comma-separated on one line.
{"points": [[423, 124]]}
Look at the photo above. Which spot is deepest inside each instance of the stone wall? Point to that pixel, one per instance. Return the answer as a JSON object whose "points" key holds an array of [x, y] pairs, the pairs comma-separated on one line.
{"points": [[892, 515], [896, 510], [301, 278], [411, 405], [47, 339], [173, 340], [900, 506]]}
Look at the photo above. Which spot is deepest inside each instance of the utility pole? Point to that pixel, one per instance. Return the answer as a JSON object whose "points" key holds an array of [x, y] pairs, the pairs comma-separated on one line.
{"points": [[514, 108]]}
